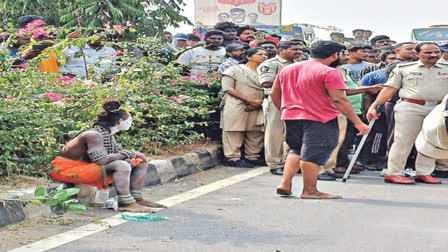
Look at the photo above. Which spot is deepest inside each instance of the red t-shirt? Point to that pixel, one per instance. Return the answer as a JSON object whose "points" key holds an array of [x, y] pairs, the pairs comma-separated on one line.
{"points": [[304, 91]]}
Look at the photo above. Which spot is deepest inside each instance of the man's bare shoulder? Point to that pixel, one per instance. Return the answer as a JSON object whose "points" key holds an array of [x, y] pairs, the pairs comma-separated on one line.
{"points": [[91, 135]]}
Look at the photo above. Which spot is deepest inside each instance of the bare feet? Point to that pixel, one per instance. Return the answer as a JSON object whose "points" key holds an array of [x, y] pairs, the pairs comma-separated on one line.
{"points": [[319, 195], [135, 208], [284, 191], [148, 203]]}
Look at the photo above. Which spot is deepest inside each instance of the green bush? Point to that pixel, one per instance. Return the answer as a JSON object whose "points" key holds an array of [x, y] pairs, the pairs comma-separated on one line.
{"points": [[40, 112]]}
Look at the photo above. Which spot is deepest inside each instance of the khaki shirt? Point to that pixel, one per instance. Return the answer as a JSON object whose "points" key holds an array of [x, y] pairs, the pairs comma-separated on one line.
{"points": [[442, 60], [267, 71], [233, 116], [415, 81]]}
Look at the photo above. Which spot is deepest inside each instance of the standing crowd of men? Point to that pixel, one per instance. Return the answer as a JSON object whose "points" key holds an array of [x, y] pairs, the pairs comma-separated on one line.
{"points": [[408, 79], [287, 105]]}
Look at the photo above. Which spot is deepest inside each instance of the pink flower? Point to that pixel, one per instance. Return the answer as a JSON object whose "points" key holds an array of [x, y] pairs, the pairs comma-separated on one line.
{"points": [[56, 97], [197, 79], [187, 77], [206, 82], [66, 80], [38, 32], [93, 85], [143, 105], [3, 34], [118, 52], [181, 83], [129, 24], [9, 96], [110, 53], [68, 99], [157, 92], [173, 82], [35, 24], [118, 27], [21, 73], [53, 96], [106, 24], [179, 100], [19, 35]]}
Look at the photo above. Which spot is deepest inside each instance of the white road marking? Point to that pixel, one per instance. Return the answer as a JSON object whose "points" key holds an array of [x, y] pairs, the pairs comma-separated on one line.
{"points": [[93, 228]]}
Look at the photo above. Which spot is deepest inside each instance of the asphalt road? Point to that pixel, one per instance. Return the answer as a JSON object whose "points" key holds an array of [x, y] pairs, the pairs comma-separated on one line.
{"points": [[248, 216]]}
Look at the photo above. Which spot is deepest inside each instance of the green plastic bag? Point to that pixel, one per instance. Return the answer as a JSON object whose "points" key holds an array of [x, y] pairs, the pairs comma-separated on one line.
{"points": [[143, 218]]}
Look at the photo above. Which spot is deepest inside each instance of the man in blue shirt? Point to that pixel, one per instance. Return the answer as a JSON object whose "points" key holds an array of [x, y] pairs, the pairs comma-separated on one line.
{"points": [[373, 153], [356, 62]]}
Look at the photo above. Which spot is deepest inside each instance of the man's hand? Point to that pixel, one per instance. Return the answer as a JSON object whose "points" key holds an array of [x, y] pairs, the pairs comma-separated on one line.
{"points": [[131, 162], [362, 128], [74, 35], [31, 54], [372, 114], [142, 157], [375, 89], [267, 84]]}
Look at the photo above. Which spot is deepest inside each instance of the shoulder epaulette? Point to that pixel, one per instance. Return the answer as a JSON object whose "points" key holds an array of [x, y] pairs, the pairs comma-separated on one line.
{"points": [[407, 64]]}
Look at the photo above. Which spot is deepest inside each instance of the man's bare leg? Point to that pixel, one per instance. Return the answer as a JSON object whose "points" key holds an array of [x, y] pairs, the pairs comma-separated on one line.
{"points": [[137, 180], [292, 166], [310, 171], [121, 172]]}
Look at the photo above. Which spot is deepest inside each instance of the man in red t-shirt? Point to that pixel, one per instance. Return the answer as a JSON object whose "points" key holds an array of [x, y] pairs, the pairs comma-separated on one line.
{"points": [[311, 95]]}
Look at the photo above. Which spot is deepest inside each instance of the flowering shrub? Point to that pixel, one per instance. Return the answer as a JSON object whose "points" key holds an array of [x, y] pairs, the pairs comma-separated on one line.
{"points": [[40, 112]]}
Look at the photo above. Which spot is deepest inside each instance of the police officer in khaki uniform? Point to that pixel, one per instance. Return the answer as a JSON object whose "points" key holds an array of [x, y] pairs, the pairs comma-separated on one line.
{"points": [[421, 85], [274, 127]]}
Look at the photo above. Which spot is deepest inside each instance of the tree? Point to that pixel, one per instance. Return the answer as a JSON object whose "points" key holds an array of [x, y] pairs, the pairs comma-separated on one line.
{"points": [[11, 10], [149, 17]]}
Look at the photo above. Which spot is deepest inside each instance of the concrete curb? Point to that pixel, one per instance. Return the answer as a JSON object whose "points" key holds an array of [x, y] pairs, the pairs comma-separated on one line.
{"points": [[159, 171]]}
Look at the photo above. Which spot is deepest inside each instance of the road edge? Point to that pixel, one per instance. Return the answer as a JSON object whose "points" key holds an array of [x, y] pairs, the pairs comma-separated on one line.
{"points": [[159, 172]]}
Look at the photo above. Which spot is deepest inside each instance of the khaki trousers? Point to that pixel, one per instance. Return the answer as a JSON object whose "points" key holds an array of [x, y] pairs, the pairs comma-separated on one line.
{"points": [[275, 148], [233, 140], [442, 165], [408, 123], [331, 163]]}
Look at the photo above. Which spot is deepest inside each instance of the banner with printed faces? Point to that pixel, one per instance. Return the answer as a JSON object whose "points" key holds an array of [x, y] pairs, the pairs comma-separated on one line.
{"points": [[241, 12]]}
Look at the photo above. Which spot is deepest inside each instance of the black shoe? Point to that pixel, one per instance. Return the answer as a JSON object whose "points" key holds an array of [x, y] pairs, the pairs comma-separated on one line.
{"points": [[440, 174], [326, 177], [374, 166], [336, 175], [239, 164], [256, 162], [277, 171]]}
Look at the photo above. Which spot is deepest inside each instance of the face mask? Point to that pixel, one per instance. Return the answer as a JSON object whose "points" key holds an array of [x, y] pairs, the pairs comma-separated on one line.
{"points": [[125, 125]]}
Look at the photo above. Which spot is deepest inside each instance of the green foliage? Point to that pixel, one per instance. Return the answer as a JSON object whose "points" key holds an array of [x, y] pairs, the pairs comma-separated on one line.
{"points": [[60, 200], [39, 112], [149, 17]]}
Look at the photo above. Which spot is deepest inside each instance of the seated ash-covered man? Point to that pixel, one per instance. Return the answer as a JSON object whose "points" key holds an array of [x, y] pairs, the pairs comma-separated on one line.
{"points": [[93, 157]]}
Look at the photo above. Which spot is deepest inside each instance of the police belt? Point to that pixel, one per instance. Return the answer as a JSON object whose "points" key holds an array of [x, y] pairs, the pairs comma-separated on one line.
{"points": [[419, 102]]}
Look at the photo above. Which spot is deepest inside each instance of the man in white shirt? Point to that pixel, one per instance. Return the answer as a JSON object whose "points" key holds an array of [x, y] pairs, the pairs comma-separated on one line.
{"points": [[205, 59], [94, 53]]}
